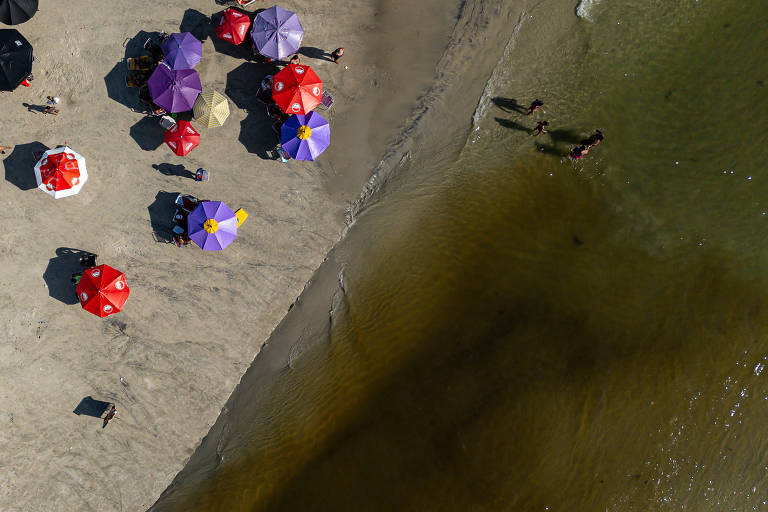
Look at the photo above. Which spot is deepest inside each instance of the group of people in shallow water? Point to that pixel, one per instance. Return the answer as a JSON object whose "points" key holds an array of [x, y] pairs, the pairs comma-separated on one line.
{"points": [[577, 152]]}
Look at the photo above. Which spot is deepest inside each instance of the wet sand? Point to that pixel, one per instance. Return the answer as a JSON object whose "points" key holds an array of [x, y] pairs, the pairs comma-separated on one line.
{"points": [[194, 320]]}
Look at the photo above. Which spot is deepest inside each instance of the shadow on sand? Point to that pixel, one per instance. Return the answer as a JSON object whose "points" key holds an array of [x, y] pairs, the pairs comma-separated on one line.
{"points": [[198, 24], [174, 170], [257, 135], [148, 133], [161, 216], [91, 407], [20, 165], [315, 53], [58, 274]]}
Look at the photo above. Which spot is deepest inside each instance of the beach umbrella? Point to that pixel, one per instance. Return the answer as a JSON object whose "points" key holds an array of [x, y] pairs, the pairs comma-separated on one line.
{"points": [[13, 12], [61, 172], [15, 59], [211, 109], [305, 137], [174, 89], [297, 89], [102, 290], [182, 50], [277, 32], [233, 26], [212, 225], [182, 138]]}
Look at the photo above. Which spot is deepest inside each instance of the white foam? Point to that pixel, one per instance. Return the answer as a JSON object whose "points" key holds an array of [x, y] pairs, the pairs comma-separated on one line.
{"points": [[584, 9]]}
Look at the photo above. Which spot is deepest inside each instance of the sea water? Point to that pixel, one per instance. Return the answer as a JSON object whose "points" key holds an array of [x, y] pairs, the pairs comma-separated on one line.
{"points": [[521, 331]]}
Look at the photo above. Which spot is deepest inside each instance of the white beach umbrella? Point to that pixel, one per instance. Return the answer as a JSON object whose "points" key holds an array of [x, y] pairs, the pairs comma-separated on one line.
{"points": [[61, 172]]}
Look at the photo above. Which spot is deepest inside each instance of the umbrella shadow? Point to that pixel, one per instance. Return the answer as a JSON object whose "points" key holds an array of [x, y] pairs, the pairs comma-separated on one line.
{"points": [[148, 133], [197, 24], [88, 406], [58, 274], [161, 215], [20, 164], [507, 123], [258, 136], [174, 170], [509, 105], [243, 82], [315, 53], [118, 90]]}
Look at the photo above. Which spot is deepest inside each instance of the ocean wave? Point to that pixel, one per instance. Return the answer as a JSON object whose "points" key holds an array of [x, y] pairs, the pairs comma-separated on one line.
{"points": [[584, 9]]}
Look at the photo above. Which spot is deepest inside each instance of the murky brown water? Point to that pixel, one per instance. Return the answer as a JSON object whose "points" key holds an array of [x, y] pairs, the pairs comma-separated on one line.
{"points": [[522, 332]]}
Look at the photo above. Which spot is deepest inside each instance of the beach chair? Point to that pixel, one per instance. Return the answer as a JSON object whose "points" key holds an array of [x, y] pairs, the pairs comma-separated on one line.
{"points": [[187, 203], [167, 122], [241, 216], [326, 101], [142, 63]]}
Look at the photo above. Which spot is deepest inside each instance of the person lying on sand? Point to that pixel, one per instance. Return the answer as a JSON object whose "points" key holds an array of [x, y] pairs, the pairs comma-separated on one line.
{"points": [[296, 60], [3, 148], [109, 416]]}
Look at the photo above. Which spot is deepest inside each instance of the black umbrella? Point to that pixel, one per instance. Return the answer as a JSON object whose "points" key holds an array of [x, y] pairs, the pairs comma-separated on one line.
{"points": [[15, 59], [13, 12]]}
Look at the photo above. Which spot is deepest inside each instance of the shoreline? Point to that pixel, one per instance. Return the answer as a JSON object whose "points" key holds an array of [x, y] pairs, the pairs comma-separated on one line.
{"points": [[148, 358], [266, 385]]}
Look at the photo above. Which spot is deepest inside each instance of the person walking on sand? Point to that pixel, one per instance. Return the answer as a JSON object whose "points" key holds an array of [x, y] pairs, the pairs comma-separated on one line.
{"points": [[337, 54], [535, 105], [109, 416], [539, 128]]}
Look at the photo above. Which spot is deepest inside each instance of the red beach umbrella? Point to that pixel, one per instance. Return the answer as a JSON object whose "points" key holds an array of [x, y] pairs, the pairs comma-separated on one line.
{"points": [[182, 138], [297, 89], [233, 26], [102, 290]]}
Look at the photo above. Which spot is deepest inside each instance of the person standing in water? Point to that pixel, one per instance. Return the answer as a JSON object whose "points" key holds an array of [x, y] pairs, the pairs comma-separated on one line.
{"points": [[593, 139], [539, 128], [535, 105]]}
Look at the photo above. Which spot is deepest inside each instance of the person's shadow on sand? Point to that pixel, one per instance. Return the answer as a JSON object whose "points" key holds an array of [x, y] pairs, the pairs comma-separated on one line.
{"points": [[315, 53], [509, 105], [19, 165], [58, 274], [174, 170], [38, 109]]}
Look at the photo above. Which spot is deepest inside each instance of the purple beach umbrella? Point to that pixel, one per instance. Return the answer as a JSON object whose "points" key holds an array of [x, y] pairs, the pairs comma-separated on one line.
{"points": [[305, 137], [277, 33], [212, 225], [174, 90], [182, 51]]}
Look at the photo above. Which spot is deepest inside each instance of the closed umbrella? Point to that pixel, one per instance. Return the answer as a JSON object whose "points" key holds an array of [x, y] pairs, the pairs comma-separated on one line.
{"points": [[277, 32], [15, 59], [13, 12], [102, 290], [305, 137], [212, 225], [211, 109], [61, 172], [174, 89], [233, 26], [182, 50]]}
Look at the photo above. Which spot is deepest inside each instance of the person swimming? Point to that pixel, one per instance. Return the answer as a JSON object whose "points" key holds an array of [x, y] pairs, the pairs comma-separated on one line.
{"points": [[593, 139], [535, 105], [578, 152]]}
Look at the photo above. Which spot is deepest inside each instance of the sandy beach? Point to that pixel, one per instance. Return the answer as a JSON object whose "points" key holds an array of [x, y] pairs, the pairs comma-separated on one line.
{"points": [[195, 320]]}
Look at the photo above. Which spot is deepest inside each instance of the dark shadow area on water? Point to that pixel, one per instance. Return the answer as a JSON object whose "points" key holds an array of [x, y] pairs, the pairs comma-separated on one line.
{"points": [[508, 123], [509, 105], [88, 406], [174, 170], [20, 165], [58, 274], [161, 215], [148, 133]]}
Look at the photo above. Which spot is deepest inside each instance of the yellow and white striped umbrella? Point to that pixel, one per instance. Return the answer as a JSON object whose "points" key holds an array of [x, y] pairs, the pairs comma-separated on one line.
{"points": [[211, 109]]}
